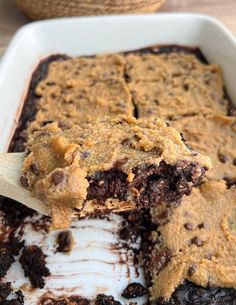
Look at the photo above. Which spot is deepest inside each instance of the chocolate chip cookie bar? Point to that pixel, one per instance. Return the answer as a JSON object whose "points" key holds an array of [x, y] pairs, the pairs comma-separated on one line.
{"points": [[82, 101], [127, 160], [74, 90], [173, 85], [170, 101], [79, 89]]}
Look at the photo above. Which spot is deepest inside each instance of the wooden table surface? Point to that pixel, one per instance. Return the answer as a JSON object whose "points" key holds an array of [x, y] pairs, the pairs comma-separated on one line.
{"points": [[225, 10]]}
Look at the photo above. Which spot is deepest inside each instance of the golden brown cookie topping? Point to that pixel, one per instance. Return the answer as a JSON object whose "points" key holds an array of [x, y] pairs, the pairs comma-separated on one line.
{"points": [[155, 165], [200, 237], [215, 136]]}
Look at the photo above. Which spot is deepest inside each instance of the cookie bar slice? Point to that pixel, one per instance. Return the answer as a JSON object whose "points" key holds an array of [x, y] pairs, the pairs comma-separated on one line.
{"points": [[196, 244], [175, 84], [110, 164], [82, 101], [80, 89], [174, 68], [215, 136], [169, 101], [100, 67]]}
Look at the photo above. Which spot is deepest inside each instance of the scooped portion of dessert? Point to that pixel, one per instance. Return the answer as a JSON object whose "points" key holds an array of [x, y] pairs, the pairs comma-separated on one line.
{"points": [[112, 164]]}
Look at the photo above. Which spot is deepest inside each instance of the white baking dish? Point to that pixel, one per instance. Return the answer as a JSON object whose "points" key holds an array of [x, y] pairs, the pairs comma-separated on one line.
{"points": [[84, 36]]}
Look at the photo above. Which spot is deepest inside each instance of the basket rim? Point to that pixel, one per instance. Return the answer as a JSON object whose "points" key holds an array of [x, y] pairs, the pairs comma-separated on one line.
{"points": [[47, 8]]}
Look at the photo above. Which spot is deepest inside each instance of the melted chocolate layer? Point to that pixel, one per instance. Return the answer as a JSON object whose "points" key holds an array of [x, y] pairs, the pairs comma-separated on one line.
{"points": [[189, 293], [151, 184]]}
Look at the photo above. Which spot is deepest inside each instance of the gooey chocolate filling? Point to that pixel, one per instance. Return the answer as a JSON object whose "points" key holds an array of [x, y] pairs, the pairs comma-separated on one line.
{"points": [[189, 293], [151, 184]]}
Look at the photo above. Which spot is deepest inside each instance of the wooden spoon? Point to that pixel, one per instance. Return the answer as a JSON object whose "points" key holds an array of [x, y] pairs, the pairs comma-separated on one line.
{"points": [[10, 169]]}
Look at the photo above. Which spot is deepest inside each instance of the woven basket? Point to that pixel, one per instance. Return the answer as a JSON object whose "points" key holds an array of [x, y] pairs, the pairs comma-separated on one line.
{"points": [[42, 9]]}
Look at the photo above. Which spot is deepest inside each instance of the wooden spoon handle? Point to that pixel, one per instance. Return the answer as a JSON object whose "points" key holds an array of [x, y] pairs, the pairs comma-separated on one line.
{"points": [[10, 168]]}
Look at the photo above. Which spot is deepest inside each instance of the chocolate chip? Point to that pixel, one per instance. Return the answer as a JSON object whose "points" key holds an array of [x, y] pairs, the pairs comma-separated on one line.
{"points": [[160, 259], [230, 182], [50, 83], [127, 77], [201, 225], [156, 101], [151, 68], [64, 241], [197, 241], [57, 177], [44, 123], [84, 154], [71, 102], [53, 95], [34, 169], [125, 142], [188, 226], [192, 270], [222, 158], [134, 290], [103, 299], [24, 181], [234, 161], [61, 125], [186, 87]]}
